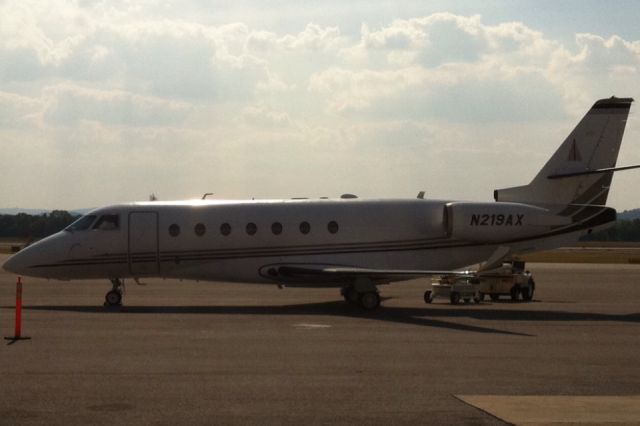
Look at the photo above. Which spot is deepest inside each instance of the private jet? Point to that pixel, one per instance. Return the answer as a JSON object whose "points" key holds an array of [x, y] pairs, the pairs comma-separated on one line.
{"points": [[350, 243]]}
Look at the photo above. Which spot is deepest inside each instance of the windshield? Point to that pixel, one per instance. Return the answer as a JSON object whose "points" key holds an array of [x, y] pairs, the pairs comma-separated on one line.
{"points": [[81, 224], [107, 222]]}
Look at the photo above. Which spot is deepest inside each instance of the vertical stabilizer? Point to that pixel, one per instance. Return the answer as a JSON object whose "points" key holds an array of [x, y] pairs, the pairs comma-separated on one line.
{"points": [[592, 146]]}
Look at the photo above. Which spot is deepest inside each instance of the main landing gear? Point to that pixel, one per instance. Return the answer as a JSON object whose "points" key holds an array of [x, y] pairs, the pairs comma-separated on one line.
{"points": [[362, 292], [114, 296]]}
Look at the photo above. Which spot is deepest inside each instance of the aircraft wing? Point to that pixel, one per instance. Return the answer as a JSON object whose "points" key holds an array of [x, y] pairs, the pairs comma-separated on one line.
{"points": [[346, 273]]}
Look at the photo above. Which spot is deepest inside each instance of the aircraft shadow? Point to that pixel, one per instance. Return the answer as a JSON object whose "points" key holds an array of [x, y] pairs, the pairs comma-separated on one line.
{"points": [[529, 315], [427, 316]]}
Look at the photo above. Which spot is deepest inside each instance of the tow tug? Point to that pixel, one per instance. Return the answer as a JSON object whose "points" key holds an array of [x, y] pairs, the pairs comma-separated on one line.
{"points": [[510, 279]]}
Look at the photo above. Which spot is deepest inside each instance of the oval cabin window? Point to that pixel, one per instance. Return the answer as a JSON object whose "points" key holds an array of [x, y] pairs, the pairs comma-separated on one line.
{"points": [[332, 226], [276, 228], [174, 230], [225, 229], [305, 228], [200, 229], [251, 228]]}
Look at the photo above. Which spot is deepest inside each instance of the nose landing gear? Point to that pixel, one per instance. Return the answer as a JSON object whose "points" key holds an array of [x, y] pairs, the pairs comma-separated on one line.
{"points": [[114, 296]]}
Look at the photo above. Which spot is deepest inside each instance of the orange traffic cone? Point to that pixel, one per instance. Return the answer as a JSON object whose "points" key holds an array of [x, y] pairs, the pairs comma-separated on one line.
{"points": [[18, 326]]}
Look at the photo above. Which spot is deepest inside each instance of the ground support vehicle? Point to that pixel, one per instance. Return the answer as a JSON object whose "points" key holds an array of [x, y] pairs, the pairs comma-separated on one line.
{"points": [[511, 279], [454, 288]]}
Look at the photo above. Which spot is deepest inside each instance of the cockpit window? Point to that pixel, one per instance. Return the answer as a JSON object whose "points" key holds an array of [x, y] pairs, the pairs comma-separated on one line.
{"points": [[81, 224], [107, 222]]}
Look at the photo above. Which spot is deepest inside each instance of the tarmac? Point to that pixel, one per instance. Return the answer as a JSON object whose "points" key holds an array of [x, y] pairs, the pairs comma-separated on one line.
{"points": [[223, 353]]}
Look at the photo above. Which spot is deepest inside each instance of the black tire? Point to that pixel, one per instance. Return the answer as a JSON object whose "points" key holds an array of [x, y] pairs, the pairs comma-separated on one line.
{"points": [[350, 294], [427, 297], [113, 298], [467, 300], [477, 300], [370, 300], [480, 297], [515, 292], [494, 297], [527, 292], [454, 298]]}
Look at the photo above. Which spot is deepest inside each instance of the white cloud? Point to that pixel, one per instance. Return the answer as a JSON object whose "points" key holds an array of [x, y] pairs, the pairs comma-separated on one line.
{"points": [[68, 105], [459, 65], [263, 116], [19, 111], [149, 87], [314, 37]]}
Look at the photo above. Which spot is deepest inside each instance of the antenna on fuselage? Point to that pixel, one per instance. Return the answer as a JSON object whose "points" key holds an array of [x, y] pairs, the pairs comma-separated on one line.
{"points": [[206, 195]]}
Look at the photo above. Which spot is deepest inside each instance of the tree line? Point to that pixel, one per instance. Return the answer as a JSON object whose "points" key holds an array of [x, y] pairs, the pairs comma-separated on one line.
{"points": [[623, 230], [28, 227], [31, 227]]}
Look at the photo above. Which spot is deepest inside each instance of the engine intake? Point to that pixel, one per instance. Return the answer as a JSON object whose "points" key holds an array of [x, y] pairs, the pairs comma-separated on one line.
{"points": [[498, 222]]}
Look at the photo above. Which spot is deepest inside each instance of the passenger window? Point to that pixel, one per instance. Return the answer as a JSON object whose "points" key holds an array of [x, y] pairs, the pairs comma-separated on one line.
{"points": [[251, 228], [276, 228], [332, 226], [200, 229], [81, 224], [225, 229], [305, 227], [107, 222], [174, 230]]}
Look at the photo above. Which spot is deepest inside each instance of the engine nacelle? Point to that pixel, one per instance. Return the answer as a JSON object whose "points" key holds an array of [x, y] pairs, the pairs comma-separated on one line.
{"points": [[496, 222]]}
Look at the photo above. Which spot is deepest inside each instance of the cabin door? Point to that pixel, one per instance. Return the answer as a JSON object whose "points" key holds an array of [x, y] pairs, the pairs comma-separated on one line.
{"points": [[143, 244]]}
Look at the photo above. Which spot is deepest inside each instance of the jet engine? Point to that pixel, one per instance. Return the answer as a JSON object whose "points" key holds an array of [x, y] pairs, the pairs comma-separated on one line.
{"points": [[498, 222]]}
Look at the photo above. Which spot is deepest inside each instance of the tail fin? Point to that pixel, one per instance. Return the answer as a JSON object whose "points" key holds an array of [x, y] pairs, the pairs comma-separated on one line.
{"points": [[585, 161]]}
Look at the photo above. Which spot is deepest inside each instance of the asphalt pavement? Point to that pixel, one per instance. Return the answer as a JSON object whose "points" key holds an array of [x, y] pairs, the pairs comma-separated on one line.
{"points": [[181, 352]]}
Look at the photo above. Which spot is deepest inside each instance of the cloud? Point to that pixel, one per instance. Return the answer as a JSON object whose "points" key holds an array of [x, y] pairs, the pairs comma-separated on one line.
{"points": [[263, 116], [314, 108], [453, 67], [19, 111], [68, 105]]}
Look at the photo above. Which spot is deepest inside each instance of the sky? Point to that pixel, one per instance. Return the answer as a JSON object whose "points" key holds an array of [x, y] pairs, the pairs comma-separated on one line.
{"points": [[104, 102]]}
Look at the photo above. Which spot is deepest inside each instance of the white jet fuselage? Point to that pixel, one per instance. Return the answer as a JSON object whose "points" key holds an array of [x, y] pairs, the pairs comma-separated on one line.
{"points": [[247, 241]]}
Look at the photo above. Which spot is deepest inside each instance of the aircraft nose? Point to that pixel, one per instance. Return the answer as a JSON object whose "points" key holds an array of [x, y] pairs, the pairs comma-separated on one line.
{"points": [[27, 261], [15, 264], [35, 260]]}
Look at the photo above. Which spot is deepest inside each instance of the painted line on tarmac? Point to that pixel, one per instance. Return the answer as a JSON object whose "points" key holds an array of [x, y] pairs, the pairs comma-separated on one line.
{"points": [[536, 410], [308, 326]]}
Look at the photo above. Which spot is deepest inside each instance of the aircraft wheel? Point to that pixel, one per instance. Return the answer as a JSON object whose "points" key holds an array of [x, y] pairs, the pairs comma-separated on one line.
{"points": [[455, 298], [515, 292], [370, 300], [344, 291], [477, 299], [480, 297], [352, 295], [527, 292], [428, 298], [466, 300], [495, 297], [113, 298]]}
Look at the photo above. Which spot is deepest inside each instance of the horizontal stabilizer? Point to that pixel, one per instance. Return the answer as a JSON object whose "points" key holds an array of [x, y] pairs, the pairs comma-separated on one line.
{"points": [[592, 172]]}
